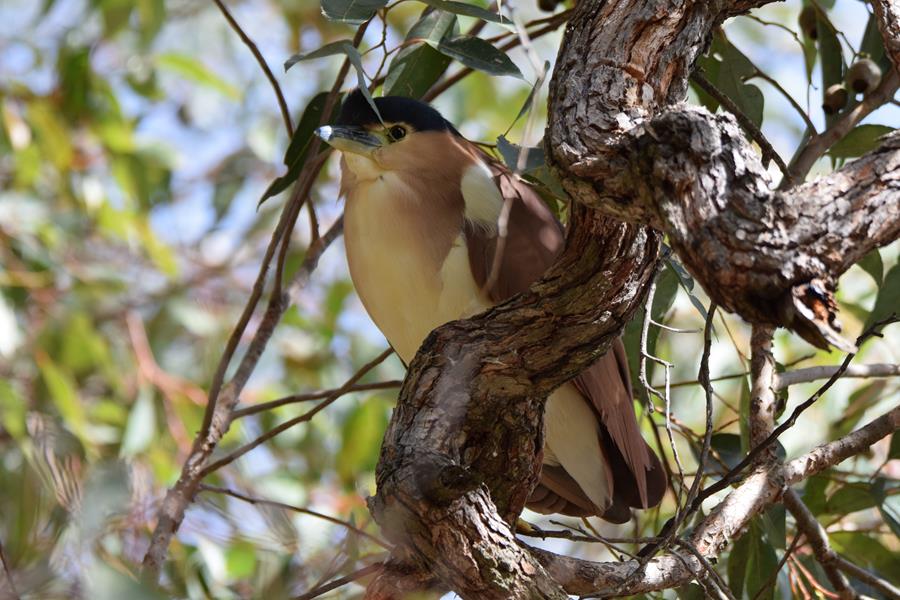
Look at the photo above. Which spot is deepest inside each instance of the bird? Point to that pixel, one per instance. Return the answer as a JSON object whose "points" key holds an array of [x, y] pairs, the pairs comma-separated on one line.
{"points": [[421, 213]]}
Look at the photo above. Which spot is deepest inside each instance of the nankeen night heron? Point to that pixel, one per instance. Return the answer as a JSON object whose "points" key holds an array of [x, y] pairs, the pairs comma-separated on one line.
{"points": [[421, 231]]}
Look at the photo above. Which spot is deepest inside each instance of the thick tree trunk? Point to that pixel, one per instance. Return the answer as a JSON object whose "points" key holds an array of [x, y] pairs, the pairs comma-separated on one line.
{"points": [[462, 451]]}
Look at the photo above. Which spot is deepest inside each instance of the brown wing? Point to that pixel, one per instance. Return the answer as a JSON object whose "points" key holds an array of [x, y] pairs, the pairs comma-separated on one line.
{"points": [[533, 241]]}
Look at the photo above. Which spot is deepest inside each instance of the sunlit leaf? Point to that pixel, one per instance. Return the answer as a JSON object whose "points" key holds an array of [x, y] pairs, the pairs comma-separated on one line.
{"points": [[141, 428], [192, 69], [849, 498], [888, 297], [417, 67], [361, 439], [468, 10], [64, 393], [872, 264]]}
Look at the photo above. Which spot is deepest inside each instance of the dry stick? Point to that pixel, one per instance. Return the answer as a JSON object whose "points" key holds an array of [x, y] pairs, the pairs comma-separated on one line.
{"points": [[232, 456], [768, 152], [762, 392], [297, 398], [735, 473], [818, 145], [818, 539], [342, 581], [282, 105], [305, 511], [861, 574]]}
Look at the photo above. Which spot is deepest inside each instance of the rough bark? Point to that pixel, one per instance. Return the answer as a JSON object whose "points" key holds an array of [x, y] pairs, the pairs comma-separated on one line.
{"points": [[462, 451], [621, 145]]}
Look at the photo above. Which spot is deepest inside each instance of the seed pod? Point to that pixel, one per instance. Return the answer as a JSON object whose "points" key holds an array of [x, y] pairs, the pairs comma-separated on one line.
{"points": [[863, 76], [836, 97], [809, 22]]}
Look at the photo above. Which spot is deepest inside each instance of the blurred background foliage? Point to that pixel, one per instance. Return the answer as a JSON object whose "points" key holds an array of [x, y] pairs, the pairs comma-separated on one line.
{"points": [[136, 140]]}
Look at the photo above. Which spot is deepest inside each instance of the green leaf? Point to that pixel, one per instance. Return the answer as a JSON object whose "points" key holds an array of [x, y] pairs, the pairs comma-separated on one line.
{"points": [[12, 410], [761, 564], [867, 552], [814, 493], [744, 421], [862, 139], [194, 70], [480, 55], [468, 10], [666, 291], [850, 498], [884, 504], [416, 68], [510, 152], [860, 401], [354, 12], [347, 48], [774, 524], [728, 448], [873, 44], [872, 264], [64, 393], [831, 56], [737, 564], [894, 451], [691, 591], [240, 560], [140, 430], [888, 297], [361, 438], [296, 154]]}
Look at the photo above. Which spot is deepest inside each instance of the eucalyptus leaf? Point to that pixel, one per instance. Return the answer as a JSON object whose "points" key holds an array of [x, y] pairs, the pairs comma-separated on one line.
{"points": [[417, 67], [469, 10], [860, 140], [872, 264], [480, 55], [888, 299], [353, 12]]}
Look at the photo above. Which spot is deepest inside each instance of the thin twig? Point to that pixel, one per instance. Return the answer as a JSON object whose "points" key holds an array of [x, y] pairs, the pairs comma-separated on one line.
{"points": [[789, 378], [885, 587], [285, 113], [818, 539], [305, 511], [340, 582], [768, 151], [298, 398], [234, 455]]}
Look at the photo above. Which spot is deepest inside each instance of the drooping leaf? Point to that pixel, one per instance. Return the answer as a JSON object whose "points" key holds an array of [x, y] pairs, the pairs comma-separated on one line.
{"points": [[872, 264], [872, 44], [728, 448], [362, 434], [814, 493], [469, 10], [416, 68], [141, 428], [353, 12], [887, 506], [774, 522], [830, 55], [894, 450], [867, 552], [511, 152], [888, 299], [296, 154], [862, 139], [480, 55], [859, 402], [663, 298]]}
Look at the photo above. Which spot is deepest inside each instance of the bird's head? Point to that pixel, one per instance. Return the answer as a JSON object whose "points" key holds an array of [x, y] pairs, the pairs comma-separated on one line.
{"points": [[411, 136]]}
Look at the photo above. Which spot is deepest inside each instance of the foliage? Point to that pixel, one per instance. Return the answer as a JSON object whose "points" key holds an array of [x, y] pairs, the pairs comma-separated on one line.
{"points": [[137, 141]]}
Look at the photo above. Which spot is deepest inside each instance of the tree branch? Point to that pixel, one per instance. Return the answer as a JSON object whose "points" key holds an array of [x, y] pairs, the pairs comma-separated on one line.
{"points": [[789, 378], [818, 539]]}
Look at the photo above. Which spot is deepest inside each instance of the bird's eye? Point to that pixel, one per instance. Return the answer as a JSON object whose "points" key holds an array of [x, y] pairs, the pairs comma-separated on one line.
{"points": [[398, 132]]}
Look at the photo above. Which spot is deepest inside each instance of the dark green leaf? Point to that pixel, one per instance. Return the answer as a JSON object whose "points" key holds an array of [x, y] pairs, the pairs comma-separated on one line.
{"points": [[867, 552], [666, 290], [691, 591], [894, 451], [761, 564], [468, 10], [775, 526], [814, 493], [872, 264], [873, 45], [511, 152], [295, 156], [354, 12], [888, 299], [862, 139], [480, 55], [831, 56], [418, 67], [737, 564], [728, 448], [884, 503], [850, 498]]}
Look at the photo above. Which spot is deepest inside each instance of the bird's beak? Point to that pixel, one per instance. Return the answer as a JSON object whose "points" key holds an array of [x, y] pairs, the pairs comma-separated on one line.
{"points": [[350, 139]]}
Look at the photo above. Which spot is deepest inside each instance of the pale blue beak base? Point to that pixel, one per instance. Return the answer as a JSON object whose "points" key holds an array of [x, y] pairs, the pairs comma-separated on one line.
{"points": [[350, 139]]}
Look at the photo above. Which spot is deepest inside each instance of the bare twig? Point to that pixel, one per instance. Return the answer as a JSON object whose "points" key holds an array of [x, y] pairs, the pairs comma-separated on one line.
{"points": [[297, 509], [762, 394], [885, 587], [818, 539], [768, 151], [234, 455], [789, 378], [340, 582], [298, 398], [285, 113]]}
